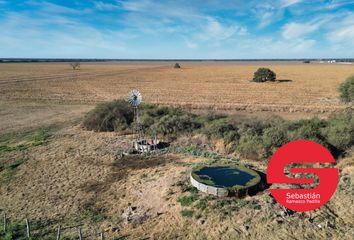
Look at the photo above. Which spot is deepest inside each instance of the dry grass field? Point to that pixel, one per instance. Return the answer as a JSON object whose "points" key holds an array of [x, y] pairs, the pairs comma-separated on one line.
{"points": [[76, 180], [53, 171], [302, 87]]}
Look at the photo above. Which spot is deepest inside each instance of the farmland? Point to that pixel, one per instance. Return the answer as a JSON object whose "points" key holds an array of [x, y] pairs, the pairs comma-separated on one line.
{"points": [[227, 86], [53, 170]]}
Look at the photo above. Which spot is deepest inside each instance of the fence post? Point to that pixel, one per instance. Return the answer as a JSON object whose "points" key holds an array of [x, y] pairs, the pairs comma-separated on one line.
{"points": [[58, 233], [5, 222], [28, 229], [80, 234]]}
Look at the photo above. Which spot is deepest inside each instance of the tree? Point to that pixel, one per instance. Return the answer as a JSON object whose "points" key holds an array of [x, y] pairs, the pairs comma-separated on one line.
{"points": [[263, 75], [75, 65], [346, 90]]}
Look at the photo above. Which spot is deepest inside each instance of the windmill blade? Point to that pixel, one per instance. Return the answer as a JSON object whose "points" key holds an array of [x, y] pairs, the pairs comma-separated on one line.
{"points": [[134, 98]]}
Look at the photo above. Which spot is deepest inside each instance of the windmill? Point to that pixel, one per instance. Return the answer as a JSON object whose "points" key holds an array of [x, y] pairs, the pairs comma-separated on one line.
{"points": [[134, 99]]}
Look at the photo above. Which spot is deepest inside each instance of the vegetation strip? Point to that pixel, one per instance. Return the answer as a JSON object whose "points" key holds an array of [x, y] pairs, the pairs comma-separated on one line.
{"points": [[251, 138]]}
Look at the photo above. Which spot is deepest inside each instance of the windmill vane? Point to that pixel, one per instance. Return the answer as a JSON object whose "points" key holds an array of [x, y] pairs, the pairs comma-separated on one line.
{"points": [[134, 98]]}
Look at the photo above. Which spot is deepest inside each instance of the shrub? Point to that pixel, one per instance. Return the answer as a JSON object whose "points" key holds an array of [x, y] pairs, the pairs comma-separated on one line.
{"points": [[118, 115], [187, 200], [167, 121], [340, 130], [274, 137], [310, 129], [75, 65], [222, 129], [253, 127], [177, 65], [347, 90], [174, 125], [263, 75], [108, 117], [251, 146], [202, 204], [209, 117]]}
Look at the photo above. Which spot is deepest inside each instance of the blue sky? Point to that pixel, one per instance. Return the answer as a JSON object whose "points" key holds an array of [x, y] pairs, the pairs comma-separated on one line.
{"points": [[177, 29]]}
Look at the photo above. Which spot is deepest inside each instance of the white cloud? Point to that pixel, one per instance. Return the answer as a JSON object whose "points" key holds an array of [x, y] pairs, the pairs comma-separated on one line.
{"points": [[266, 18], [151, 28], [267, 12], [288, 3], [215, 29], [339, 3], [303, 45], [30, 36], [190, 44], [159, 9], [343, 32], [105, 6], [295, 30], [277, 48], [48, 7], [154, 17]]}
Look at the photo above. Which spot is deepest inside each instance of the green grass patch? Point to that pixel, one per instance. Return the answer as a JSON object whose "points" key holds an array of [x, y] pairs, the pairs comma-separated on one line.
{"points": [[202, 204], [187, 200], [192, 190], [8, 171], [24, 140], [93, 215], [187, 213], [17, 142]]}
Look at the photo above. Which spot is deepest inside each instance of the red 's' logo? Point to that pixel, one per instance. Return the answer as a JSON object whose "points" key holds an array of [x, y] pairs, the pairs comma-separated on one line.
{"points": [[302, 151]]}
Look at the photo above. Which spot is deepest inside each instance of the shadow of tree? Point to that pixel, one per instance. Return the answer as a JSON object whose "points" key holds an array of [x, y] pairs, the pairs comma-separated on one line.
{"points": [[284, 80]]}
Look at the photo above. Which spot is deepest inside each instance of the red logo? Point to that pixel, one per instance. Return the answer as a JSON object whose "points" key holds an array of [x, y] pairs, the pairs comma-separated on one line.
{"points": [[298, 199]]}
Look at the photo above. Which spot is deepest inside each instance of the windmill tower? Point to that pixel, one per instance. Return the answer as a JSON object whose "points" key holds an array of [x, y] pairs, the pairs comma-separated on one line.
{"points": [[134, 99]]}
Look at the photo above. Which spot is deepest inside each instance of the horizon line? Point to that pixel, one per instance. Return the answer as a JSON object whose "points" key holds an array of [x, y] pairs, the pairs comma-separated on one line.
{"points": [[28, 59]]}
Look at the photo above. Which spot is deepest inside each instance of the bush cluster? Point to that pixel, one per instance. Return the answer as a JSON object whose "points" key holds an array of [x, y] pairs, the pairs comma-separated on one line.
{"points": [[251, 138], [256, 139], [347, 90], [221, 129], [119, 116], [263, 75], [167, 121], [107, 117], [339, 130]]}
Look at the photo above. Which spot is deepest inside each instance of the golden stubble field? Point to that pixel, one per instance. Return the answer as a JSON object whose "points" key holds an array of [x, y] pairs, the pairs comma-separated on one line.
{"points": [[302, 87]]}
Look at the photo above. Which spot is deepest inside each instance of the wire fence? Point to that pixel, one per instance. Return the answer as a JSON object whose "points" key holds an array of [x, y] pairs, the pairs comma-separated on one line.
{"points": [[24, 231]]}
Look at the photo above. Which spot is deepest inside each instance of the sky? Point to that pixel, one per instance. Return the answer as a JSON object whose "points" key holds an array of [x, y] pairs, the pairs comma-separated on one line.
{"points": [[180, 29]]}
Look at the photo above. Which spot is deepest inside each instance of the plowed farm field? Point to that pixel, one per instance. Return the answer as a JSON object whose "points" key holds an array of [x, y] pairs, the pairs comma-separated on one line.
{"points": [[204, 85]]}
